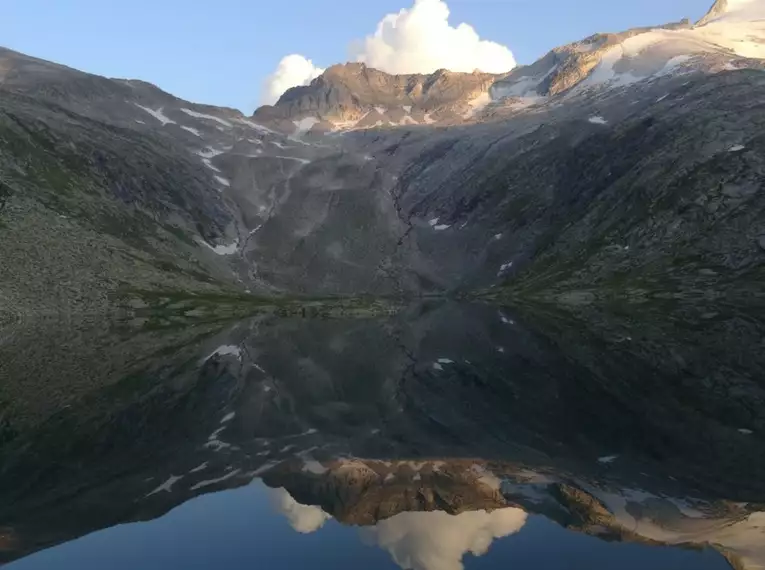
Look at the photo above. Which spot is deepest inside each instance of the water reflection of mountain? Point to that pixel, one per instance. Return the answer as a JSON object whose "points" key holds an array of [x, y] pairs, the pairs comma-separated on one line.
{"points": [[607, 428], [467, 503], [423, 540]]}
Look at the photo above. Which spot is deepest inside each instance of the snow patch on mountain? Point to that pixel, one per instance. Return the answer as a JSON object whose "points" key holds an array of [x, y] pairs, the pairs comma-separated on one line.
{"points": [[305, 125], [167, 486], [663, 51], [741, 31], [197, 115], [282, 157], [157, 114], [209, 152], [210, 165], [224, 350], [522, 87], [209, 482], [258, 127], [674, 65], [230, 249], [192, 130], [476, 105]]}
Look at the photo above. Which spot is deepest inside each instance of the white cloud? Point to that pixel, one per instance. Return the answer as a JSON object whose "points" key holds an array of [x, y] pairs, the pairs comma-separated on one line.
{"points": [[293, 70], [414, 40], [437, 540], [421, 40], [303, 518]]}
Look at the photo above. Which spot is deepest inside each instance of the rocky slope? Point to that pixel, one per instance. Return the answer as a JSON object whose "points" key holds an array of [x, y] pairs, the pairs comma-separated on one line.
{"points": [[623, 165]]}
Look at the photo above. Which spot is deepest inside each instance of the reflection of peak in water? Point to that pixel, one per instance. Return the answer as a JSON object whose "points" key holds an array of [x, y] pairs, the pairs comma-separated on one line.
{"points": [[430, 512], [429, 539], [433, 381], [363, 492]]}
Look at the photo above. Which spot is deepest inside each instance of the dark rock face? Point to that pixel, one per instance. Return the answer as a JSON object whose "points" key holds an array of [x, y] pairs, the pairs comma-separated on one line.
{"points": [[568, 204]]}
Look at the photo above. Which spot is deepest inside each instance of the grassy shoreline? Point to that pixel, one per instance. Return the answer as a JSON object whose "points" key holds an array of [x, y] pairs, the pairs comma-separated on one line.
{"points": [[165, 308]]}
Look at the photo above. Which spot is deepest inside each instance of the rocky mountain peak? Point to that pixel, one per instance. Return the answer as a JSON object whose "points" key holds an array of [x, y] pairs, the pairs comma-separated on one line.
{"points": [[739, 9], [718, 8], [341, 70], [364, 492], [353, 95]]}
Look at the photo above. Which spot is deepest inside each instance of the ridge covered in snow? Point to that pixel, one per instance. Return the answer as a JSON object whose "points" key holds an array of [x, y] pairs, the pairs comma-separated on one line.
{"points": [[732, 32], [735, 25], [734, 10]]}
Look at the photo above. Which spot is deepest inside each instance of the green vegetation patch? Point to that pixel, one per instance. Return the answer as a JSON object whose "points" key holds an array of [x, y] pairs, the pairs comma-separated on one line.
{"points": [[169, 308]]}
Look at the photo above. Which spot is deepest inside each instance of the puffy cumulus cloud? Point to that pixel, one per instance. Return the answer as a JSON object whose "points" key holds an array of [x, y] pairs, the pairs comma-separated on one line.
{"points": [[303, 518], [421, 40], [293, 70], [418, 39], [437, 540]]}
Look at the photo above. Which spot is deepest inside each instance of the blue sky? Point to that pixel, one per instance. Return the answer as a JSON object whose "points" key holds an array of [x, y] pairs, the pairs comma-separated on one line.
{"points": [[221, 51]]}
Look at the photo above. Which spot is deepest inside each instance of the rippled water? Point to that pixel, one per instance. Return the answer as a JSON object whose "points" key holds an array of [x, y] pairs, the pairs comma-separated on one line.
{"points": [[448, 435]]}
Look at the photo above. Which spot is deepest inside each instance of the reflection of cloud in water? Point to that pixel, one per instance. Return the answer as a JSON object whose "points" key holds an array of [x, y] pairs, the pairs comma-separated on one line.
{"points": [[303, 518], [437, 540]]}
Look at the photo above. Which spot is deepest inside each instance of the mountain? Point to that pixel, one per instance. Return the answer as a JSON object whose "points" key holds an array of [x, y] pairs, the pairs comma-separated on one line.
{"points": [[112, 185], [354, 96], [728, 32], [623, 170], [624, 165]]}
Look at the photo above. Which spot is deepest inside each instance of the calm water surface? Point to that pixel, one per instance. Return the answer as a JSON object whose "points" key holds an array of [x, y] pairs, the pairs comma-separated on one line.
{"points": [[448, 436]]}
